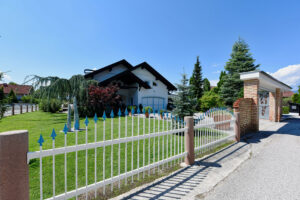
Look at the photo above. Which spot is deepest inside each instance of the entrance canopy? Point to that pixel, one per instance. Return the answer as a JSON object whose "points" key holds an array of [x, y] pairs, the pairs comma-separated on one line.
{"points": [[266, 81]]}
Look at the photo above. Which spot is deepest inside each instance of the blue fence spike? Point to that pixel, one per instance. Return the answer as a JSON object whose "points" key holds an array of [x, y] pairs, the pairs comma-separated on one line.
{"points": [[104, 115], [95, 118], [41, 140], [126, 112], [138, 110], [119, 113], [77, 125], [53, 134], [132, 111], [65, 130], [112, 114], [86, 121]]}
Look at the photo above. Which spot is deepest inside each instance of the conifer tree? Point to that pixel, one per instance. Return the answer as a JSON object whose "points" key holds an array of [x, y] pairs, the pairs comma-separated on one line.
{"points": [[183, 101], [206, 85], [196, 82], [241, 61]]}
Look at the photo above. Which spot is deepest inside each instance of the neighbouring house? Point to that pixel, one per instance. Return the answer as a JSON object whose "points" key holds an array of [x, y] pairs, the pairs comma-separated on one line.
{"points": [[287, 94], [140, 84], [19, 90]]}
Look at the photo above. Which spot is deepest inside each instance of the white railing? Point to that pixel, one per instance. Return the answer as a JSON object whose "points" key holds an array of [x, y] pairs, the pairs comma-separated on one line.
{"points": [[213, 128], [150, 144], [121, 148], [19, 108]]}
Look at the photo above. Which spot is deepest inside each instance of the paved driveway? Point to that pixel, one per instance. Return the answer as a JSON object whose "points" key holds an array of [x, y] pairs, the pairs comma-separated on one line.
{"points": [[273, 172]]}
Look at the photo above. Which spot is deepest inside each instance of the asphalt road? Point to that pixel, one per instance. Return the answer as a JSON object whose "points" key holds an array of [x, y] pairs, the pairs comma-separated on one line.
{"points": [[272, 172]]}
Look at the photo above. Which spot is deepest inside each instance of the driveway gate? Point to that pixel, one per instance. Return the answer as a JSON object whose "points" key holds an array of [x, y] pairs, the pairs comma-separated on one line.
{"points": [[263, 104]]}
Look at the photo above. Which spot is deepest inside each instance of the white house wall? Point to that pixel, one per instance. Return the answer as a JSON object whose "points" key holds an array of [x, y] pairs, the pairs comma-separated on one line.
{"points": [[108, 74], [160, 90]]}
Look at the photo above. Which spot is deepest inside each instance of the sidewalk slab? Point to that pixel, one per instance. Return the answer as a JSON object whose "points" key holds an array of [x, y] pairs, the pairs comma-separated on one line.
{"points": [[188, 182]]}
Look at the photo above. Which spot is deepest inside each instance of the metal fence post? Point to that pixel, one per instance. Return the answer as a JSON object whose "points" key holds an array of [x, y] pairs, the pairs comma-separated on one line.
{"points": [[189, 140], [237, 128], [14, 171], [13, 109]]}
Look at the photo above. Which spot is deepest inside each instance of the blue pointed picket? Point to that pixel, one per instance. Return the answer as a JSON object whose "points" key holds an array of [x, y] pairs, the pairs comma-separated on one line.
{"points": [[104, 116], [112, 114], [65, 130], [41, 140], [132, 111], [144, 111], [53, 134], [76, 126], [95, 118], [126, 112], [119, 113], [86, 121], [138, 110]]}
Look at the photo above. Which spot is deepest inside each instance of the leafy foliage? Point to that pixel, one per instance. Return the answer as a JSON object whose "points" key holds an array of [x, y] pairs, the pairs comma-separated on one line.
{"points": [[184, 102], [101, 98], [206, 85], [50, 105], [285, 110], [12, 98], [196, 82], [241, 61], [296, 96], [209, 100]]}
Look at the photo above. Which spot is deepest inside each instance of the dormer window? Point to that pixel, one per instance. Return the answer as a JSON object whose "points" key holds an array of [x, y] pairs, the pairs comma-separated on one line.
{"points": [[148, 82], [154, 83]]}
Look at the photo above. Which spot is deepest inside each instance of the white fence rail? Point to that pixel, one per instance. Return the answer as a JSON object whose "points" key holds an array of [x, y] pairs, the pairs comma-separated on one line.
{"points": [[19, 108], [120, 148]]}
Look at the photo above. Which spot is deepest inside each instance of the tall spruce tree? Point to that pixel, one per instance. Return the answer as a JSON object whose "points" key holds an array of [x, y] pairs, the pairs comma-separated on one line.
{"points": [[196, 82], [183, 101], [206, 85], [241, 61]]}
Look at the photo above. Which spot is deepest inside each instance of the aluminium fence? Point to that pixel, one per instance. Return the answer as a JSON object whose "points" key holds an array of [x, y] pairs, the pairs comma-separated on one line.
{"points": [[117, 150]]}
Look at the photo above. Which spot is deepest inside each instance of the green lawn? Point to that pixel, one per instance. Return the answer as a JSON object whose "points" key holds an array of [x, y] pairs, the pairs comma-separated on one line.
{"points": [[42, 123]]}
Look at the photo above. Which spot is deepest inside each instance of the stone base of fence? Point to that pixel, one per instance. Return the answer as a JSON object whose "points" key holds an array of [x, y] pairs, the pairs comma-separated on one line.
{"points": [[14, 171]]}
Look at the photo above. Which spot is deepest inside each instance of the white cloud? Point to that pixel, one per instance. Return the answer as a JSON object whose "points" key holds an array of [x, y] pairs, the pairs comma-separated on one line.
{"points": [[6, 78], [213, 82], [289, 75]]}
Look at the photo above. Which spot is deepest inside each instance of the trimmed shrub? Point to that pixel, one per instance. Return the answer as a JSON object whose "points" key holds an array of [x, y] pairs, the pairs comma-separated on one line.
{"points": [[285, 110], [52, 105]]}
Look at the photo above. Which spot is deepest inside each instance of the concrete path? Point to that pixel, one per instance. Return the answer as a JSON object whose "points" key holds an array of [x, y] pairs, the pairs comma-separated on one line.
{"points": [[273, 172], [188, 182]]}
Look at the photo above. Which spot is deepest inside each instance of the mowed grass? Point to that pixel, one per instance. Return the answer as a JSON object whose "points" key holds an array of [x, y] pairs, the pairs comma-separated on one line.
{"points": [[42, 123]]}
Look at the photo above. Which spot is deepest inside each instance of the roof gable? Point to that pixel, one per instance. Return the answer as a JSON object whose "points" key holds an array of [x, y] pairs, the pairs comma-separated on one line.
{"points": [[109, 67], [158, 76]]}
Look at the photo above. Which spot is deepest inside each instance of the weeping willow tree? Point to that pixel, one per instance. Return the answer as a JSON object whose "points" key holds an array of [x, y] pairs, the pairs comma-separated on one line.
{"points": [[66, 90]]}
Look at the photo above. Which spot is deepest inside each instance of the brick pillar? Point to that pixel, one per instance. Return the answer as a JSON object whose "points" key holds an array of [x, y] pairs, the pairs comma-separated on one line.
{"points": [[251, 88], [275, 105], [279, 104], [237, 127], [189, 140], [14, 171]]}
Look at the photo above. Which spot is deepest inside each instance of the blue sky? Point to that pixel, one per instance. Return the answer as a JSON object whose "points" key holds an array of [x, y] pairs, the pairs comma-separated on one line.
{"points": [[62, 38]]}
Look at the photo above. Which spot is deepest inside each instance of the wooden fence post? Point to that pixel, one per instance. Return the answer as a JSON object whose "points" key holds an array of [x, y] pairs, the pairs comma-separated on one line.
{"points": [[14, 170], [13, 109], [189, 140], [237, 128]]}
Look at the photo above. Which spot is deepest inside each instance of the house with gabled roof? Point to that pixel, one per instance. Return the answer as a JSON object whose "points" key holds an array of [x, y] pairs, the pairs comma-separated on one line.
{"points": [[140, 84]]}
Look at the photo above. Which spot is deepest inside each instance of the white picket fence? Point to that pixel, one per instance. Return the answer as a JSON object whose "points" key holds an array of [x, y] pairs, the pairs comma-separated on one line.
{"points": [[19, 108], [151, 144]]}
